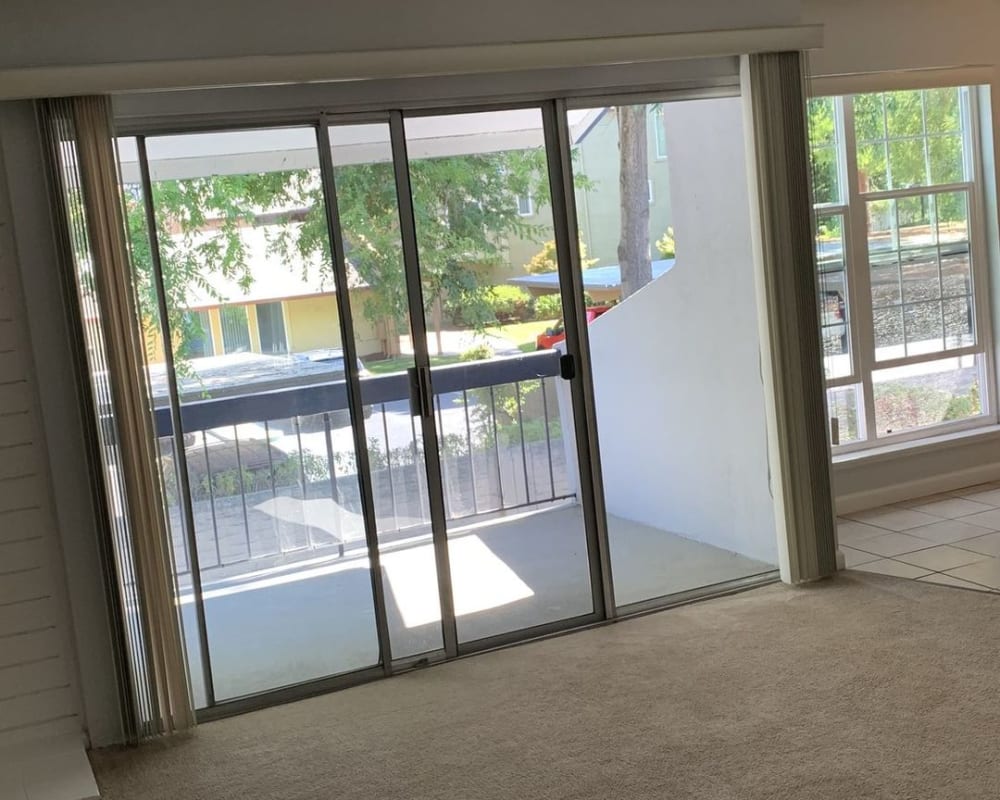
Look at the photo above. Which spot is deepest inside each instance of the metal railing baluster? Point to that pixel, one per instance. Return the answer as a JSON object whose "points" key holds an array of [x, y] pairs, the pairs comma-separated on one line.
{"points": [[211, 500], [468, 444], [496, 445], [548, 439], [302, 477], [243, 493], [524, 454], [388, 463]]}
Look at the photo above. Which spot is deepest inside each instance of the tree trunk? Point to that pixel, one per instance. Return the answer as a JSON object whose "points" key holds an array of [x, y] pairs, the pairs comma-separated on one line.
{"points": [[633, 246]]}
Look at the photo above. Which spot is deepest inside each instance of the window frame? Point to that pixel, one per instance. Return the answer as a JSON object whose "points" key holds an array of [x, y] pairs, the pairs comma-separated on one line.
{"points": [[853, 206], [530, 205]]}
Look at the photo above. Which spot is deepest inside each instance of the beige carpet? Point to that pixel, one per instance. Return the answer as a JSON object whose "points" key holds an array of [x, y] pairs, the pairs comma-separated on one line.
{"points": [[860, 687]]}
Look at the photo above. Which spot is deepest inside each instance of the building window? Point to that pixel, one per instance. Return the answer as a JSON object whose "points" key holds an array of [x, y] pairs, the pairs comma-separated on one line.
{"points": [[271, 326], [649, 183], [235, 329], [197, 335], [898, 249], [659, 132], [525, 205]]}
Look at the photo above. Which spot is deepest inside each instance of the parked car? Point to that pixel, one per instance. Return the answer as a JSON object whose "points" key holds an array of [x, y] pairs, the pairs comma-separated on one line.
{"points": [[552, 336], [240, 374]]}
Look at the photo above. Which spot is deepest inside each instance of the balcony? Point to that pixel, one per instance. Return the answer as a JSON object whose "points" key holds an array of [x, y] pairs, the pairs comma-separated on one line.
{"points": [[280, 532]]}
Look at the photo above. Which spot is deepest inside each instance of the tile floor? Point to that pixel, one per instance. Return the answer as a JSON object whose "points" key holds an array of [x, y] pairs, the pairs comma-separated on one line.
{"points": [[952, 538]]}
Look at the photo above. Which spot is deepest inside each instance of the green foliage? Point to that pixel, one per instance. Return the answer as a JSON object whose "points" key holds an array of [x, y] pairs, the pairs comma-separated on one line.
{"points": [[465, 210], [665, 244], [548, 306], [886, 158], [903, 406], [509, 303], [479, 352], [287, 470], [545, 259]]}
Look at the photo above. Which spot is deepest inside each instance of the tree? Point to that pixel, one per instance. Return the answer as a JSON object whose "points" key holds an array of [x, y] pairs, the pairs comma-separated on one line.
{"points": [[633, 245], [465, 210]]}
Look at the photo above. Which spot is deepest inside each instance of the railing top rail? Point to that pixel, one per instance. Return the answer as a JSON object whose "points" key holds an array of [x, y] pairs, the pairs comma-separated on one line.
{"points": [[302, 401]]}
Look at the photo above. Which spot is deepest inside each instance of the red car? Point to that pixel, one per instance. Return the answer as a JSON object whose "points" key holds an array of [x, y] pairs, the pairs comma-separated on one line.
{"points": [[557, 332]]}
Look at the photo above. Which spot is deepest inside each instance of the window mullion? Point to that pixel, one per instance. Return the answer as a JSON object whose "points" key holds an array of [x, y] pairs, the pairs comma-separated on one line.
{"points": [[859, 279], [978, 254]]}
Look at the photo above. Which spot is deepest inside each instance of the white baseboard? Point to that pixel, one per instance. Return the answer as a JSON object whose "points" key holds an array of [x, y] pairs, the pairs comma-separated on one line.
{"points": [[946, 482]]}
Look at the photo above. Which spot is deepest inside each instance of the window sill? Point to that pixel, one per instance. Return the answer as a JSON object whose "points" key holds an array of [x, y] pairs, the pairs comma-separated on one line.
{"points": [[942, 441]]}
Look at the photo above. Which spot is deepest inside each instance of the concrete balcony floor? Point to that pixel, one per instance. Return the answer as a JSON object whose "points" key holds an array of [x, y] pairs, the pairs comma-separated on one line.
{"points": [[306, 620]]}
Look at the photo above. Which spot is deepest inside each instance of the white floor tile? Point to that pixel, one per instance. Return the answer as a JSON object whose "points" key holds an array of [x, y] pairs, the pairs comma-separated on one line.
{"points": [[952, 507], [892, 544], [888, 566], [893, 518], [854, 558], [987, 545], [852, 533], [938, 559], [944, 579], [948, 531], [985, 519], [985, 572]]}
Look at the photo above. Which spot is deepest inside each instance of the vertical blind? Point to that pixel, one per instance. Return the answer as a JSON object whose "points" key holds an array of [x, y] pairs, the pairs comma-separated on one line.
{"points": [[85, 173]]}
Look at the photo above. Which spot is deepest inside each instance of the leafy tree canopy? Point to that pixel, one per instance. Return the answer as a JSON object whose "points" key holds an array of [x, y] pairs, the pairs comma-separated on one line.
{"points": [[465, 211]]}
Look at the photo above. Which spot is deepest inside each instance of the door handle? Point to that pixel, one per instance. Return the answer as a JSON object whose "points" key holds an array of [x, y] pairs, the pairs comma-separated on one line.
{"points": [[416, 397], [421, 394], [567, 367]]}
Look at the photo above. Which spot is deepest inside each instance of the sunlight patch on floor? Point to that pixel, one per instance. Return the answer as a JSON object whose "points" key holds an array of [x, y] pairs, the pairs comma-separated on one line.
{"points": [[481, 581]]}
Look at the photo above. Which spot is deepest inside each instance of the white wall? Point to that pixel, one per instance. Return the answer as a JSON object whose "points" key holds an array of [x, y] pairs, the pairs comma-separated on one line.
{"points": [[50, 32], [680, 405], [38, 686], [29, 265], [881, 35]]}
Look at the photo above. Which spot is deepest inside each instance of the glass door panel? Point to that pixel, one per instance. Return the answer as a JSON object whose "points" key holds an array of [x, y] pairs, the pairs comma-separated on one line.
{"points": [[516, 538], [672, 331], [270, 459], [368, 213]]}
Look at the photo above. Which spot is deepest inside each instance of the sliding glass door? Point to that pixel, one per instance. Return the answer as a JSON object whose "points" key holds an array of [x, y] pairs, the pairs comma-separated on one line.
{"points": [[490, 294], [263, 490], [368, 239], [391, 341], [665, 248]]}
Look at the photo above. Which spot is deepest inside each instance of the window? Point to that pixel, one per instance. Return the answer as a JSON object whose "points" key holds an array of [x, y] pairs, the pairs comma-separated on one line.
{"points": [[235, 329], [659, 132], [649, 183], [197, 335], [525, 205], [902, 320], [271, 326]]}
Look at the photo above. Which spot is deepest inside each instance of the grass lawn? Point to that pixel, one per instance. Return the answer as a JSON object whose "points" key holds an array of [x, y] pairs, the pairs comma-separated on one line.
{"points": [[402, 363], [523, 334]]}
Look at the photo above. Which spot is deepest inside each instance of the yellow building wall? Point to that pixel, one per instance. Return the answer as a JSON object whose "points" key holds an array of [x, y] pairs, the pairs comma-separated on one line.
{"points": [[312, 323]]}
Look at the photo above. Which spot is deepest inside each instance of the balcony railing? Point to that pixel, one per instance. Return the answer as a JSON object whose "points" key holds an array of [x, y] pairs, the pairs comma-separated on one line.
{"points": [[274, 479]]}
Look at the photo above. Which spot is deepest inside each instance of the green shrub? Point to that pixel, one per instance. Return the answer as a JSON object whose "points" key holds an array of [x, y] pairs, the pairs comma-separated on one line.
{"points": [[479, 352], [510, 304], [548, 306]]}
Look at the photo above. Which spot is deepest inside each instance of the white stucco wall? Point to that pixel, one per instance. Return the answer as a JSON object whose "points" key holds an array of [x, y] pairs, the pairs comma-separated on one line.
{"points": [[680, 405]]}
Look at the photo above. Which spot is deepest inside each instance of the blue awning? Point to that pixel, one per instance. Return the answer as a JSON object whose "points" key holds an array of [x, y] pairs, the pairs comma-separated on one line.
{"points": [[609, 277]]}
